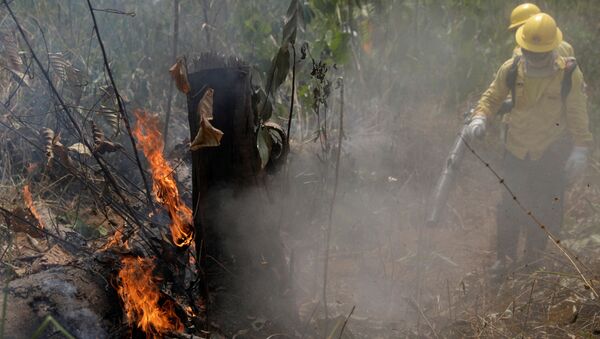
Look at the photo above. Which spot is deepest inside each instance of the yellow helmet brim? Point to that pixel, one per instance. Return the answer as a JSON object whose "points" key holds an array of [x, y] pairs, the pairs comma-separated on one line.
{"points": [[516, 24], [538, 48]]}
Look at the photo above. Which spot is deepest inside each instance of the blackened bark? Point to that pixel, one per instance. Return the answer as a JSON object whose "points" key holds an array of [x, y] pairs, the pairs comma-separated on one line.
{"points": [[242, 254]]}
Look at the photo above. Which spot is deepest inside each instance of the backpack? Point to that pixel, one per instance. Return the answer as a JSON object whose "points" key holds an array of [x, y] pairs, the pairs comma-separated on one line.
{"points": [[565, 85]]}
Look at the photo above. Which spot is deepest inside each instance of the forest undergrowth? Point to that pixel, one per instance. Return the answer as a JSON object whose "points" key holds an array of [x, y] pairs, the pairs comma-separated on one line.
{"points": [[387, 274]]}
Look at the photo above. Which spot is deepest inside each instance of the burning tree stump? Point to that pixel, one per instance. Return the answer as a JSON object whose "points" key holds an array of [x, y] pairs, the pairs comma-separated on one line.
{"points": [[237, 233]]}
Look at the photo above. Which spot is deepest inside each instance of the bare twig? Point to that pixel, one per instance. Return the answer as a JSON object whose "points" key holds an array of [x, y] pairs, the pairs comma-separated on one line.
{"points": [[312, 314], [528, 305], [449, 300], [4, 306], [332, 205], [115, 11], [120, 104], [174, 57], [289, 126], [415, 305], [346, 321], [205, 8]]}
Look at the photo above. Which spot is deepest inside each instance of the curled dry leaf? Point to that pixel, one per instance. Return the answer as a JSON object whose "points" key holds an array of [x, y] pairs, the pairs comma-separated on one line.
{"points": [[208, 135], [97, 133], [205, 105], [54, 148], [48, 140], [108, 108], [80, 149], [179, 74], [11, 58], [59, 64], [101, 145], [107, 147]]}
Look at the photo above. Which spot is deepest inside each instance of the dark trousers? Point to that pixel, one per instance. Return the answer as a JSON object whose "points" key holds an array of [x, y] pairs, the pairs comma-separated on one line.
{"points": [[539, 185]]}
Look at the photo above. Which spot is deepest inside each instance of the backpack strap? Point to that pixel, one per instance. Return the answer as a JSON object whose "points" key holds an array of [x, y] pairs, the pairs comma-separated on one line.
{"points": [[567, 81], [511, 79]]}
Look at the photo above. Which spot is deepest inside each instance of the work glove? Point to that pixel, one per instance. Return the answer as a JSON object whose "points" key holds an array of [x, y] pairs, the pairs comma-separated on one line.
{"points": [[576, 162], [476, 128]]}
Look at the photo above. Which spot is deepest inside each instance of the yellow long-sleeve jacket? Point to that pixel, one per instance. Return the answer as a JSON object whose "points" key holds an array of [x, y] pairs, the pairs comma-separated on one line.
{"points": [[538, 118], [564, 49]]}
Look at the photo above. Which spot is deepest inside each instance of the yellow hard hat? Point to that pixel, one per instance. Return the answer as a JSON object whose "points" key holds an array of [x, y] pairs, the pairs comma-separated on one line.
{"points": [[539, 34], [521, 13]]}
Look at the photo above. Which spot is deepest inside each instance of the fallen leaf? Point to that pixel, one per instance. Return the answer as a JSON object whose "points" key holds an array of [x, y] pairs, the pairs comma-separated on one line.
{"points": [[179, 74], [22, 220], [56, 256]]}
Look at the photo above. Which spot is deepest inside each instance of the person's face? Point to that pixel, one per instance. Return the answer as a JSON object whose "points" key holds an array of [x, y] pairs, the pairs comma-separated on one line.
{"points": [[537, 59]]}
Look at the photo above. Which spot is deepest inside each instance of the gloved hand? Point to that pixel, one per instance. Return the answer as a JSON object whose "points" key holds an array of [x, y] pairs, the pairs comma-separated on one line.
{"points": [[576, 163], [476, 128]]}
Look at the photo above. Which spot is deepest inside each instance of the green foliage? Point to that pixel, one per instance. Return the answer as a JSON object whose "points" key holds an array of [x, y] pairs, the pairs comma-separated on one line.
{"points": [[294, 20], [49, 320], [263, 144], [4, 304], [402, 54], [280, 67]]}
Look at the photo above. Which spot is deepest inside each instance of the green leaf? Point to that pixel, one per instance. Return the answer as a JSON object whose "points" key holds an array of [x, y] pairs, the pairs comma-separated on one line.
{"points": [[340, 47], [264, 105], [280, 67], [291, 24], [263, 143], [103, 231], [294, 20]]}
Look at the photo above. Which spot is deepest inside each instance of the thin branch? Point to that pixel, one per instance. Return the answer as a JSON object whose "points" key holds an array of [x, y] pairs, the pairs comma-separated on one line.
{"points": [[346, 321], [174, 57], [115, 11], [528, 305], [289, 126], [415, 305], [205, 8], [121, 105], [332, 204]]}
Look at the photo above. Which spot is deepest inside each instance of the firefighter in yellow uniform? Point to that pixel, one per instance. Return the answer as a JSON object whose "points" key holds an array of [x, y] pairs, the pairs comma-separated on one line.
{"points": [[547, 141], [525, 11]]}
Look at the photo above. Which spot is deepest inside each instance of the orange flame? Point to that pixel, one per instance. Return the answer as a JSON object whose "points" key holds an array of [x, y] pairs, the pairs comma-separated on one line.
{"points": [[141, 299], [164, 186], [29, 202], [116, 240]]}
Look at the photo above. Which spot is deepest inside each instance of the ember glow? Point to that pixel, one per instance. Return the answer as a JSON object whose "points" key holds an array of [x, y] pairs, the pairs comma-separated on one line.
{"points": [[29, 203], [141, 298], [164, 186]]}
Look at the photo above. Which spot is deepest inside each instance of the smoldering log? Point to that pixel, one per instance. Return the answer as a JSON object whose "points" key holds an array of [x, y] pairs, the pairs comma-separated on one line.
{"points": [[82, 301]]}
